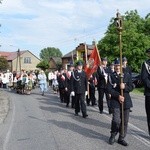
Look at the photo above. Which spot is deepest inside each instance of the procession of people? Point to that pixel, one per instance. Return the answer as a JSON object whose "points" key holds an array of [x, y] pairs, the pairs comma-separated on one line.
{"points": [[77, 91]]}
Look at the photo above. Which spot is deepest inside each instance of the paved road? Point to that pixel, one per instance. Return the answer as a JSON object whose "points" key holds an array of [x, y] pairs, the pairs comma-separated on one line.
{"points": [[36, 122]]}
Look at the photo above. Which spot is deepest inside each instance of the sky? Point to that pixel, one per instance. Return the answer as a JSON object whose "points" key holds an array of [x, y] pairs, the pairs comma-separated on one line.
{"points": [[64, 24]]}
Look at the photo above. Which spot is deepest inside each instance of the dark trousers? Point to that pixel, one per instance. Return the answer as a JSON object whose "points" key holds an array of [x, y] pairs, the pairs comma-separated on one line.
{"points": [[80, 102], [147, 108], [62, 95], [91, 97], [73, 101], [101, 93], [67, 97], [116, 124]]}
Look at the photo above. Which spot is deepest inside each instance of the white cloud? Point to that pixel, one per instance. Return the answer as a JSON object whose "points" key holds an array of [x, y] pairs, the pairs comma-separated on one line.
{"points": [[42, 23]]}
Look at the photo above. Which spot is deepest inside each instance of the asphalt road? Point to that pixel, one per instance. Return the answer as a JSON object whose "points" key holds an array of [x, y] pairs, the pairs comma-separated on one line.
{"points": [[36, 122]]}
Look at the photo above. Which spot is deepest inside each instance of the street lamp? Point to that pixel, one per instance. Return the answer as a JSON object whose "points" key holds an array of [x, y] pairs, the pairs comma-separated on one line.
{"points": [[119, 23]]}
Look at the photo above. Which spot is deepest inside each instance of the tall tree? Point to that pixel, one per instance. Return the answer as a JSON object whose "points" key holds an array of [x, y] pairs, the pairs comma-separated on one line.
{"points": [[3, 64], [135, 39], [49, 52], [43, 65]]}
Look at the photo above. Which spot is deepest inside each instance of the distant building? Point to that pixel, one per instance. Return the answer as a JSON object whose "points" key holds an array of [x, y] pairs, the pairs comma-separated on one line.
{"points": [[21, 60], [54, 62], [79, 53]]}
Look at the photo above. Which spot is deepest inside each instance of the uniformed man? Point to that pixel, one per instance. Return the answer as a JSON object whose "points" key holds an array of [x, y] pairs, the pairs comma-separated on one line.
{"points": [[126, 68], [102, 78], [79, 89], [68, 86], [145, 75], [116, 100]]}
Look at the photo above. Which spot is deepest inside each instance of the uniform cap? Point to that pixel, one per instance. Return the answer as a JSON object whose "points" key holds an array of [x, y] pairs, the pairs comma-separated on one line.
{"points": [[104, 59], [117, 61], [71, 65], [79, 63], [124, 59]]}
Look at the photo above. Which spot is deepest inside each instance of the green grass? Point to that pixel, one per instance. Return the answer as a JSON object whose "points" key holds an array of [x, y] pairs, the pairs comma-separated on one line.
{"points": [[138, 90]]}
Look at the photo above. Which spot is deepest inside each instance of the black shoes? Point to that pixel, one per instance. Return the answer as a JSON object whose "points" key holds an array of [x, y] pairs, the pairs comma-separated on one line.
{"points": [[76, 114], [101, 112], [85, 115], [112, 139], [123, 142]]}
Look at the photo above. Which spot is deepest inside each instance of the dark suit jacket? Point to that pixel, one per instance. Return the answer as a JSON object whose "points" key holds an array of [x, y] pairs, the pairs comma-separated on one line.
{"points": [[114, 89], [101, 77], [145, 76], [79, 82]]}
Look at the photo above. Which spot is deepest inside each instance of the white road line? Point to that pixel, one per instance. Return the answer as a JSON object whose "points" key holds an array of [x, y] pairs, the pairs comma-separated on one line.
{"points": [[10, 128], [131, 126]]}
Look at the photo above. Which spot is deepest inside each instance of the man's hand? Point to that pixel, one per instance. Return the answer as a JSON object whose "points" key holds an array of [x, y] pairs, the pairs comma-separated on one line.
{"points": [[86, 93], [122, 86], [72, 93], [121, 99]]}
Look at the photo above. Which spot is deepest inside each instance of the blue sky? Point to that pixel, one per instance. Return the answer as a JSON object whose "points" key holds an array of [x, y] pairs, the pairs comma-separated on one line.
{"points": [[37, 24]]}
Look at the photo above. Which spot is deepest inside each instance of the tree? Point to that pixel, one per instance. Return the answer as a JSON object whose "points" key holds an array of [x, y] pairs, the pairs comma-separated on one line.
{"points": [[3, 64], [43, 65], [135, 40], [50, 52]]}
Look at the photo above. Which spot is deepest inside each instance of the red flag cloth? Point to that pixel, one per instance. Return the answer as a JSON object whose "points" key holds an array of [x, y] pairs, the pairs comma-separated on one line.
{"points": [[92, 63]]}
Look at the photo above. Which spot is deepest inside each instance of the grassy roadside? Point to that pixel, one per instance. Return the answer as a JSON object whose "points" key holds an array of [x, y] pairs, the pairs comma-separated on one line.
{"points": [[138, 91]]}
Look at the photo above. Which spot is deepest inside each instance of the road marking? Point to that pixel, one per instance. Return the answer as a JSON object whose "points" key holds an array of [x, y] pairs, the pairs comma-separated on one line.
{"points": [[131, 126], [10, 127]]}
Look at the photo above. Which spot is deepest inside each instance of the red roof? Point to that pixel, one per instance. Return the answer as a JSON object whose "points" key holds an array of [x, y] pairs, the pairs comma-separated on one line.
{"points": [[10, 55]]}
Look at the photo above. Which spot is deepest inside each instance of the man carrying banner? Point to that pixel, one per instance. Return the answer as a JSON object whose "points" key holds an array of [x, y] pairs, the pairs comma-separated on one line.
{"points": [[116, 99]]}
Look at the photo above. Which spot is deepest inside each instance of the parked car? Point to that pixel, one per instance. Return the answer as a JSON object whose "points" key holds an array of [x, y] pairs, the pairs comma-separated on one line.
{"points": [[136, 80]]}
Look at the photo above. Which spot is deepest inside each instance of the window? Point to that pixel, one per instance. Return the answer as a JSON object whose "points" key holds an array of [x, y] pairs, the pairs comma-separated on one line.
{"points": [[27, 60]]}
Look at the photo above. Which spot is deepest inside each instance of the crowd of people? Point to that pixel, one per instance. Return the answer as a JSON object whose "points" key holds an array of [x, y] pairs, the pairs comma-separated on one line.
{"points": [[23, 82], [74, 86], [75, 89]]}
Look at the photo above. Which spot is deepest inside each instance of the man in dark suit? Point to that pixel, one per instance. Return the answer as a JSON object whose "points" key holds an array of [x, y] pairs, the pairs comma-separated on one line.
{"points": [[79, 89], [116, 99], [102, 78], [145, 75], [68, 86]]}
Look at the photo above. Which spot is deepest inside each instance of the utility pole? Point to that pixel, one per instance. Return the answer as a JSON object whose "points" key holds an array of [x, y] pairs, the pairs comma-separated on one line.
{"points": [[18, 61]]}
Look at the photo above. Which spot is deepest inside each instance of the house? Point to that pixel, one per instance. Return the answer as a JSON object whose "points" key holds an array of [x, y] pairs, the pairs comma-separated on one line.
{"points": [[21, 60], [79, 53], [54, 63]]}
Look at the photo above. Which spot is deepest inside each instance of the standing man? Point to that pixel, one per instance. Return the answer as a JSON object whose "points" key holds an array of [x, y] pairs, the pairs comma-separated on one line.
{"points": [[145, 75], [79, 89], [125, 67], [102, 78], [116, 101], [68, 86]]}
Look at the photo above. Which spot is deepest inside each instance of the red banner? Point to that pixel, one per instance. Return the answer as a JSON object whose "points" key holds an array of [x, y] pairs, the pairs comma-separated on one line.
{"points": [[92, 63]]}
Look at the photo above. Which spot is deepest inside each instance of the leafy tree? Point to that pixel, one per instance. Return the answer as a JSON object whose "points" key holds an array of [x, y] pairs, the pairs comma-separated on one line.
{"points": [[43, 65], [3, 64], [135, 40], [49, 52]]}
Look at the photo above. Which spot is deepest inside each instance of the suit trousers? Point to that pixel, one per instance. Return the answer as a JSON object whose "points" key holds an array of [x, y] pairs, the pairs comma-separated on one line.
{"points": [[147, 108], [116, 125], [101, 93], [80, 102]]}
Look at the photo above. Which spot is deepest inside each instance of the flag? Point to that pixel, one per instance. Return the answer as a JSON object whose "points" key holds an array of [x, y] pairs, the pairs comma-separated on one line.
{"points": [[92, 63]]}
